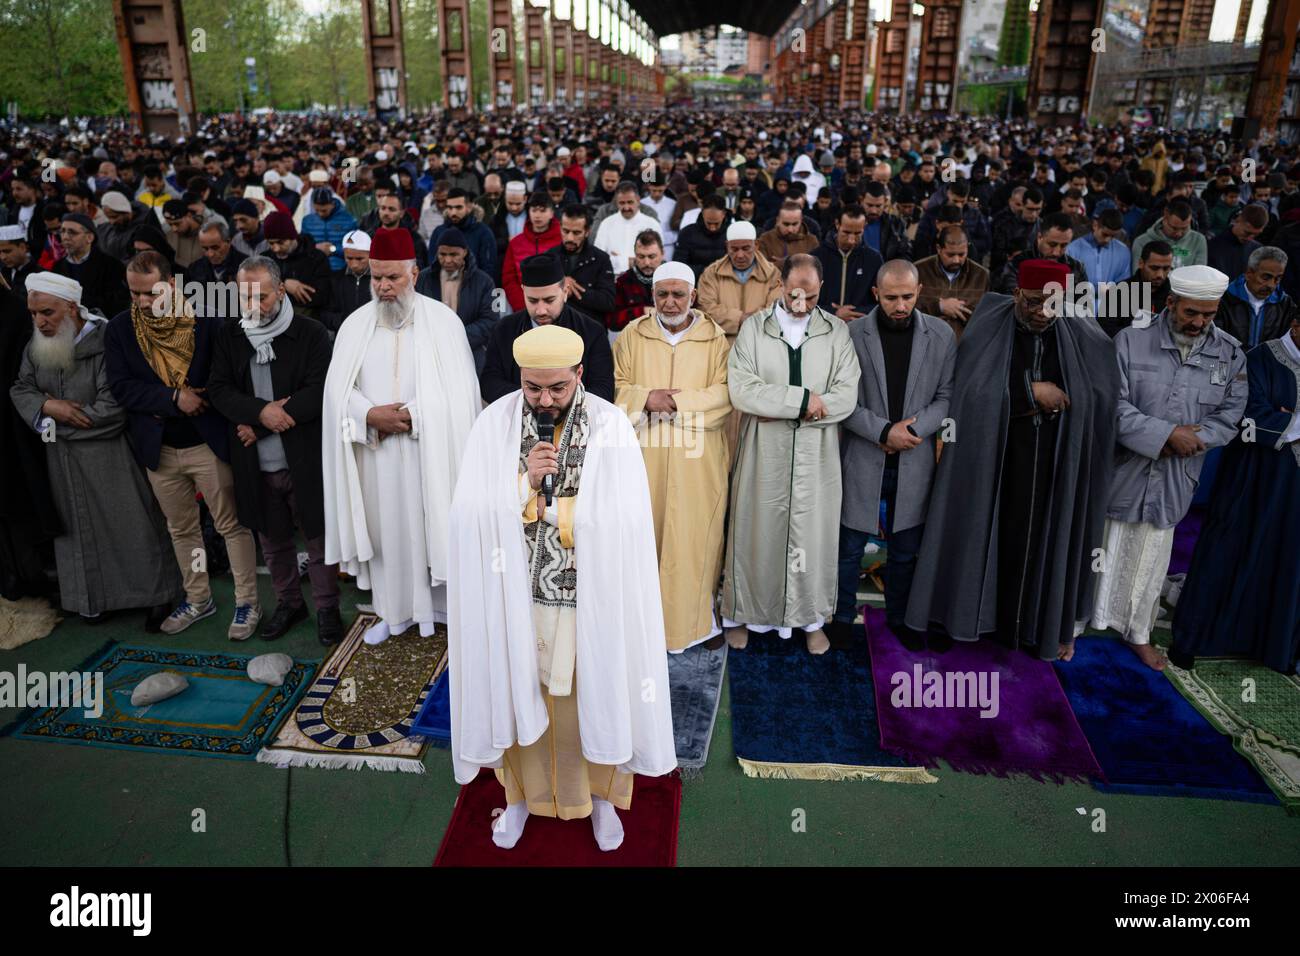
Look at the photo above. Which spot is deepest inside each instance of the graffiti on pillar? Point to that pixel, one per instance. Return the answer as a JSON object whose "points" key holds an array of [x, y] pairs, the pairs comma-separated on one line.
{"points": [[561, 94], [891, 96], [1068, 104], [1046, 104], [934, 96], [457, 91], [158, 94], [579, 96], [945, 22], [537, 94], [152, 61], [386, 88], [505, 94]]}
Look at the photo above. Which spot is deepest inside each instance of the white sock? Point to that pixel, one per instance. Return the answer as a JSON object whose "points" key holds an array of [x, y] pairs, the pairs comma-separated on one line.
{"points": [[377, 634], [606, 824], [508, 827]]}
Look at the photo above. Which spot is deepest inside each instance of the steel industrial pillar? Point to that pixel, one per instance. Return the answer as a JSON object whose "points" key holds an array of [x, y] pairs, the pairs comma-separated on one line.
{"points": [[891, 58], [537, 69], [152, 41], [561, 55], [1062, 61], [457, 73], [852, 43], [385, 58], [501, 54], [1264, 102], [936, 73]]}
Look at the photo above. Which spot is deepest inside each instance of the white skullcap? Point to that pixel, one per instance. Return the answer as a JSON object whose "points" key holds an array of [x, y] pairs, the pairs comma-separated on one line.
{"points": [[270, 178], [13, 234], [741, 230], [563, 151], [56, 285], [318, 176], [674, 270], [516, 187], [357, 241], [381, 155], [1194, 282]]}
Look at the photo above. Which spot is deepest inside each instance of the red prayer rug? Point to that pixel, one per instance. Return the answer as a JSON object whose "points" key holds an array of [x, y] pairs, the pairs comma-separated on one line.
{"points": [[650, 830]]}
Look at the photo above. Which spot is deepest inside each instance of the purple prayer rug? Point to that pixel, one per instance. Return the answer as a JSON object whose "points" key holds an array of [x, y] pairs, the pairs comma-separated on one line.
{"points": [[981, 707], [1185, 534]]}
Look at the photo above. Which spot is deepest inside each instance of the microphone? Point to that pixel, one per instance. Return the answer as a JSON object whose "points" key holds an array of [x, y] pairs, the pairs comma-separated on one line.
{"points": [[546, 433]]}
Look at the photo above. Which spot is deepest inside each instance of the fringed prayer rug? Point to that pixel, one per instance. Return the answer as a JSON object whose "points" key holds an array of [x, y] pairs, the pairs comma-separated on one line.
{"points": [[649, 830], [695, 683], [222, 713], [1147, 738], [359, 711], [1258, 708], [981, 707], [798, 716]]}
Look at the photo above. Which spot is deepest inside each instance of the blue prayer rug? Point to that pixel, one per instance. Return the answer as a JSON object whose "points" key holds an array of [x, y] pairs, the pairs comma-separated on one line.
{"points": [[800, 716], [222, 713], [1147, 738]]}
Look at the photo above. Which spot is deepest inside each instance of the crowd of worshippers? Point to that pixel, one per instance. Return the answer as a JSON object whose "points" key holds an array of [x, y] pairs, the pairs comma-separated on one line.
{"points": [[825, 329]]}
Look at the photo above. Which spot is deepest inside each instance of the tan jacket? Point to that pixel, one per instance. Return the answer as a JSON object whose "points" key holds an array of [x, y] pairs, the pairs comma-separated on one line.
{"points": [[777, 250], [726, 300], [969, 286]]}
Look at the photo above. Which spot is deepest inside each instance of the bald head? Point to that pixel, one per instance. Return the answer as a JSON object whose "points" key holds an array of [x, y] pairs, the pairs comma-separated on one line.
{"points": [[897, 286]]}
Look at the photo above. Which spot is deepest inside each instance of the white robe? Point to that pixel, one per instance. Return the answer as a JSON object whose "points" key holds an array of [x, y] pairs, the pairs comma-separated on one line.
{"points": [[617, 236], [621, 665], [387, 503], [1128, 594]]}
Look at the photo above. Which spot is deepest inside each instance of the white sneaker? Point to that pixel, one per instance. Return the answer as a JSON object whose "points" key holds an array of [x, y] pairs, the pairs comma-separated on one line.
{"points": [[244, 624], [185, 615]]}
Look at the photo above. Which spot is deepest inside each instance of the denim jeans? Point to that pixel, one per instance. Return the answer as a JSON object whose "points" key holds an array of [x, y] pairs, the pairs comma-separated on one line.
{"points": [[900, 560]]}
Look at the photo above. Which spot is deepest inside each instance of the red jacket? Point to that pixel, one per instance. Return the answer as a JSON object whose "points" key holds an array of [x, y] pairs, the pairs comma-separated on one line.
{"points": [[575, 173], [521, 247], [632, 299]]}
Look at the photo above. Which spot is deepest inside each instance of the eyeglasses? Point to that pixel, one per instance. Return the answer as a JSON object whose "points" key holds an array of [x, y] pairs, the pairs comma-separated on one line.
{"points": [[557, 391]]}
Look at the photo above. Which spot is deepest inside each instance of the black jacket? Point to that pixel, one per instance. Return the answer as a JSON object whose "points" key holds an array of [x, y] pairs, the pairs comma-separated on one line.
{"points": [[347, 294], [1234, 317], [473, 305], [302, 357], [1011, 236], [862, 265], [700, 249], [500, 375], [894, 243], [201, 270], [1228, 254], [148, 402], [311, 267], [103, 282], [594, 272]]}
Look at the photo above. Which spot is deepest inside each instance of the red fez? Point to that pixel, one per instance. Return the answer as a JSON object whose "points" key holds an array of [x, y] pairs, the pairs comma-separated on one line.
{"points": [[1035, 274], [279, 225], [392, 245]]}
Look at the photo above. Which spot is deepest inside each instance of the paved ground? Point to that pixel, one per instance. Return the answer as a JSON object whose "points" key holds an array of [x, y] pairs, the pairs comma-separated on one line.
{"points": [[88, 806]]}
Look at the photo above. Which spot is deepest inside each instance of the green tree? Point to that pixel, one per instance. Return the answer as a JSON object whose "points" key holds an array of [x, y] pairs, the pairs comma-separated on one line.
{"points": [[1013, 41], [60, 58]]}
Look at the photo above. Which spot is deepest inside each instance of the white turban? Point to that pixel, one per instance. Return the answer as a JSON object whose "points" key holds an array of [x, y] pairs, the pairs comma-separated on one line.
{"points": [[1195, 282], [14, 233], [672, 270], [51, 283], [61, 287], [741, 230]]}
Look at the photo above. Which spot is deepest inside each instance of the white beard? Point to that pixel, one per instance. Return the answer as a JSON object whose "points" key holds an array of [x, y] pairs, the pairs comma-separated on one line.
{"points": [[55, 352], [392, 314]]}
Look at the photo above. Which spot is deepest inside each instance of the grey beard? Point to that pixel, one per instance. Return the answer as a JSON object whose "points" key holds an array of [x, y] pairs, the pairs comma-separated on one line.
{"points": [[55, 352], [391, 315]]}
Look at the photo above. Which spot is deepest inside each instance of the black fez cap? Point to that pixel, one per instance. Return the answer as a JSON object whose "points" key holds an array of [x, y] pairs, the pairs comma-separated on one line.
{"points": [[543, 270]]}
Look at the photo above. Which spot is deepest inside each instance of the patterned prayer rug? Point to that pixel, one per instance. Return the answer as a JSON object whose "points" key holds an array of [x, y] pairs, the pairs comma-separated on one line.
{"points": [[933, 706], [220, 714], [649, 830], [1258, 708], [804, 717], [695, 682], [1147, 738], [359, 711]]}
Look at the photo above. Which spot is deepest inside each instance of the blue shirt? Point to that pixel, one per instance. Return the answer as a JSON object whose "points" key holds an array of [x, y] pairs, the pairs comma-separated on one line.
{"points": [[871, 237], [1108, 263]]}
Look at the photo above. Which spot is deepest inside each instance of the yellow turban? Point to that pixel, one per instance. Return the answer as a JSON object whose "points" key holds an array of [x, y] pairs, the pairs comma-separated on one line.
{"points": [[549, 346]]}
